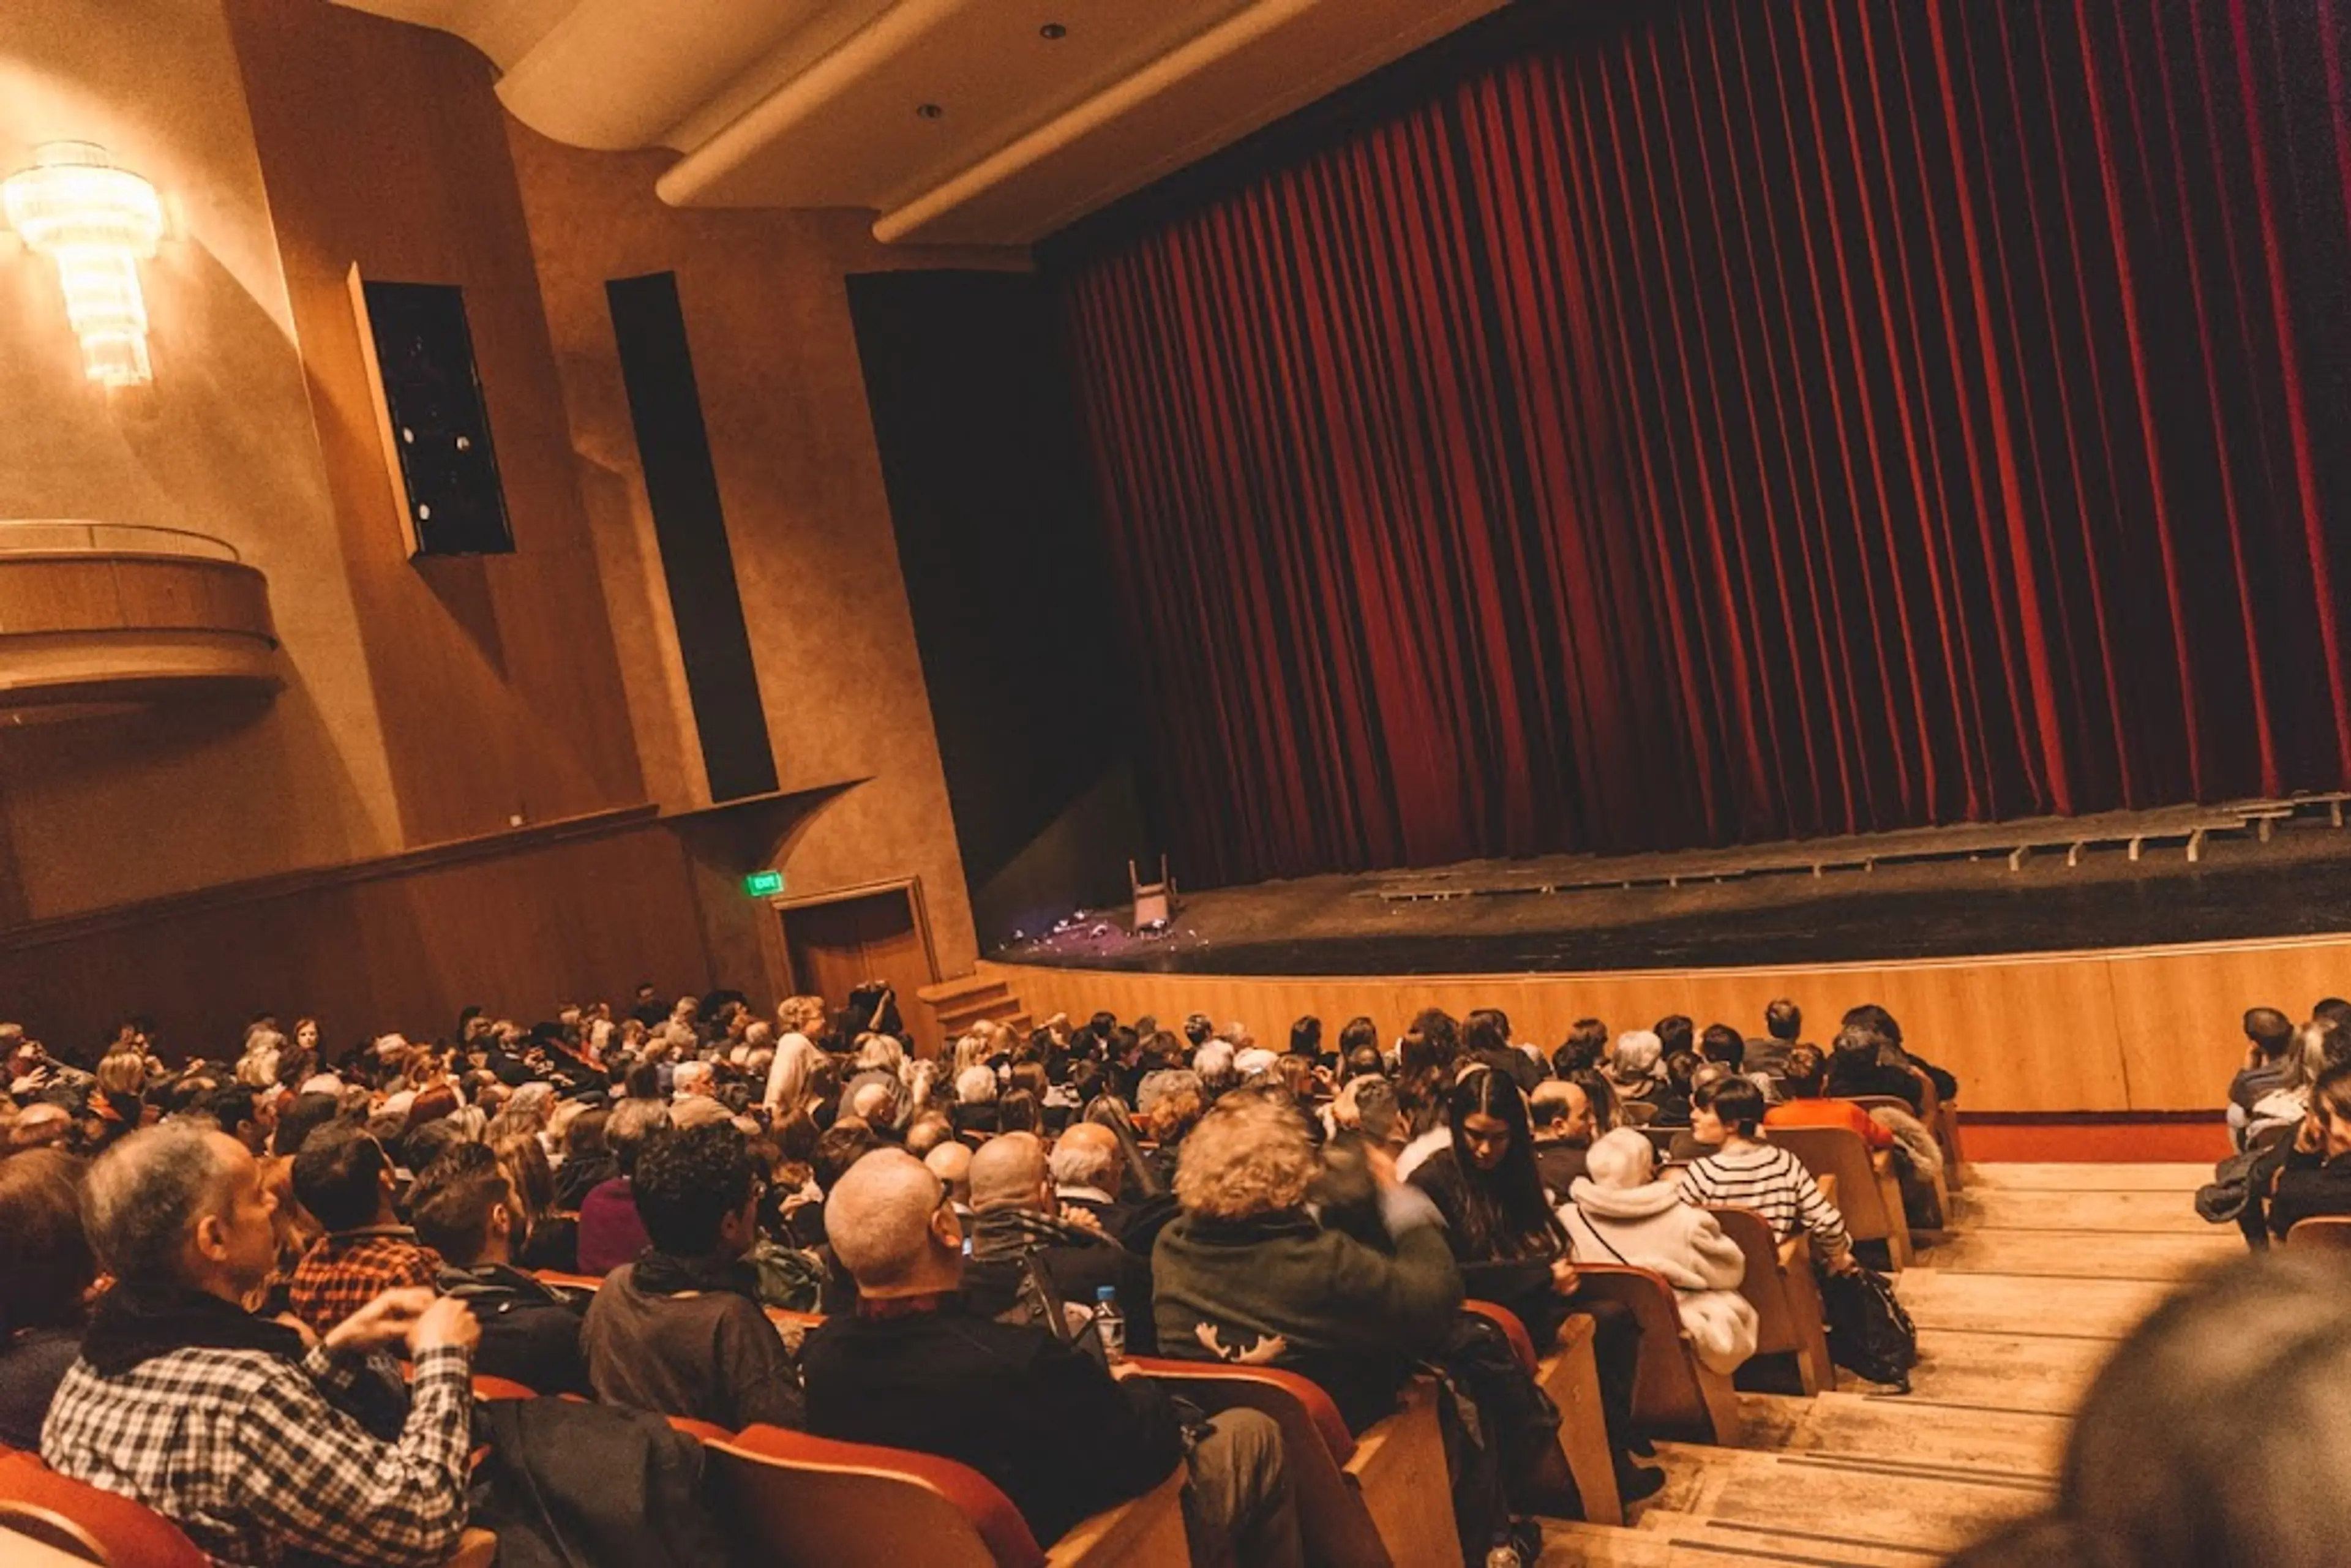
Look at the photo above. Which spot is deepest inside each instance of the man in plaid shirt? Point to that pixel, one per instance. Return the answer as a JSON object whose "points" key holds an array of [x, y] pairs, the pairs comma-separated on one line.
{"points": [[228, 1424], [344, 1178]]}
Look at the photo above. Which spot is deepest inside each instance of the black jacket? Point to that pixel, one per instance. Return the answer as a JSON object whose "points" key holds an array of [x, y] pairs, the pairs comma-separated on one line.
{"points": [[530, 1331], [2310, 1186], [1848, 1078], [1056, 1432]]}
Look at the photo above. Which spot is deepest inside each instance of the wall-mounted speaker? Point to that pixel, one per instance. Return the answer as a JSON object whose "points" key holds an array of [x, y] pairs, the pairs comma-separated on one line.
{"points": [[431, 417]]}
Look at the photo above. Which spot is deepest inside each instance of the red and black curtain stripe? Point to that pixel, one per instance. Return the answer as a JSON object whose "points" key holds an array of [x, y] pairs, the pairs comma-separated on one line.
{"points": [[1749, 421]]}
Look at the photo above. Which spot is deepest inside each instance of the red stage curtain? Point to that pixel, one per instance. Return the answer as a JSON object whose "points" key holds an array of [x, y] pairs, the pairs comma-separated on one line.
{"points": [[1755, 420]]}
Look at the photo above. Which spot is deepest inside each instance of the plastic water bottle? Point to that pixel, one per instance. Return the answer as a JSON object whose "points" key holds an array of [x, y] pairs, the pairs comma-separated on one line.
{"points": [[1110, 1324], [1504, 1555]]}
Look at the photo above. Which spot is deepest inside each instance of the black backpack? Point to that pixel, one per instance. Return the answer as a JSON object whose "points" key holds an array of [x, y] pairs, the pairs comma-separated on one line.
{"points": [[1869, 1333]]}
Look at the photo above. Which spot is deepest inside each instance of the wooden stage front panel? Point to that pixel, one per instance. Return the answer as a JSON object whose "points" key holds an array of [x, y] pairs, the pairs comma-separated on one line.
{"points": [[2124, 1029]]}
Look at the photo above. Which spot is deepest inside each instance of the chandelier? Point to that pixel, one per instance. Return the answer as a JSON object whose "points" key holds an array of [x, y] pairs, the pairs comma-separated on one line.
{"points": [[96, 223]]}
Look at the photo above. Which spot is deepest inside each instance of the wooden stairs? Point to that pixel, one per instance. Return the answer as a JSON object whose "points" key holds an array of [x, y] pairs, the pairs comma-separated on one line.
{"points": [[957, 1005]]}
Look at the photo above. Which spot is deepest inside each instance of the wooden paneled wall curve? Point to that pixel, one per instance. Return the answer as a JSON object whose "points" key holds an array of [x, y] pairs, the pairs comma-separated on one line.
{"points": [[2141, 1029]]}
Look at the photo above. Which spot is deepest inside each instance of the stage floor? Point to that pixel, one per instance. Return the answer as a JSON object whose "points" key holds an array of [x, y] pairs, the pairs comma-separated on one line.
{"points": [[2296, 885]]}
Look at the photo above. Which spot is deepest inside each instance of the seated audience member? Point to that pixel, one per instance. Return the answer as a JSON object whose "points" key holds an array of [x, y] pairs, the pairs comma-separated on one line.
{"points": [[45, 1288], [235, 1427], [1676, 1032], [1784, 1025], [1486, 1037], [2316, 1180], [680, 1332], [1064, 1439], [1306, 1040], [2287, 1104], [2269, 1034], [1512, 1250], [1565, 1126], [1617, 1213], [1245, 1273], [2163, 1468], [41, 1126], [1858, 1066], [1744, 1172], [1017, 1226], [1672, 1098], [466, 1209], [951, 1163], [1585, 1049], [344, 1179], [248, 1114], [1897, 1053], [1089, 1166], [611, 1232], [1635, 1066], [975, 1099], [1805, 1079]]}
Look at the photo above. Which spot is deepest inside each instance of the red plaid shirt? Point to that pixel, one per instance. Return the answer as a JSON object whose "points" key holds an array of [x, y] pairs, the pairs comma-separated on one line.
{"points": [[344, 1272]]}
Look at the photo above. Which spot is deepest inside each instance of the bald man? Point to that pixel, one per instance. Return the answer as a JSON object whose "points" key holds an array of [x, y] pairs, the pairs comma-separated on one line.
{"points": [[914, 1367], [1089, 1164], [1018, 1225]]}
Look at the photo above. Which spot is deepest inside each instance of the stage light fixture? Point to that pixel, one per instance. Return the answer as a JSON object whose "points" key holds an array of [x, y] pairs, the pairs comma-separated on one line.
{"points": [[96, 223]]}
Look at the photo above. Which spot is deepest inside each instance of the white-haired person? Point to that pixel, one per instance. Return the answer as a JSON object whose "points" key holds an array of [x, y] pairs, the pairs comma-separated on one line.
{"points": [[1617, 1213], [1062, 1437], [1635, 1066]]}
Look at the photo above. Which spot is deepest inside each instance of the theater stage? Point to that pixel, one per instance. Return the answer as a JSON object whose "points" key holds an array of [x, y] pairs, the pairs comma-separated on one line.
{"points": [[2060, 982]]}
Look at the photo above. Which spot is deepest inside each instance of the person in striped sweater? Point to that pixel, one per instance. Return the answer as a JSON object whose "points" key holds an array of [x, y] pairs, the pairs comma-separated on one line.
{"points": [[1745, 1171]]}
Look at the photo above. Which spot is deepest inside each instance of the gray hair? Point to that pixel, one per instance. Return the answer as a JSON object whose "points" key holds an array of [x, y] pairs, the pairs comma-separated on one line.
{"points": [[145, 1195], [976, 1085], [1076, 1163], [1214, 1063]]}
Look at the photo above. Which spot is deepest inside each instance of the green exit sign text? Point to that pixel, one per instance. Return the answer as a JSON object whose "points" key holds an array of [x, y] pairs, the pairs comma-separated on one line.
{"points": [[764, 884]]}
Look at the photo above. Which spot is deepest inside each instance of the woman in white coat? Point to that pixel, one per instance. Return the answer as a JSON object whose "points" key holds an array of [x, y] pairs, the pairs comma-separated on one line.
{"points": [[1617, 1214]]}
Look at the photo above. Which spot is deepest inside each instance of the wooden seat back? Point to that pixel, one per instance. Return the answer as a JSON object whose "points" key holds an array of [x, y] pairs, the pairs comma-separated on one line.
{"points": [[1780, 1286], [87, 1522], [1867, 1193], [1636, 1113], [2321, 1232], [1673, 1394], [1570, 1374], [811, 1502]]}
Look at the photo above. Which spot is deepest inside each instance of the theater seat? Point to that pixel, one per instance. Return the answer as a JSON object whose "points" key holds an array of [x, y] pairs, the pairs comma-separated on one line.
{"points": [[488, 1387], [1868, 1195], [2327, 1232], [1570, 1376], [87, 1522], [1673, 1394], [1779, 1284], [811, 1503], [569, 1282], [1381, 1500]]}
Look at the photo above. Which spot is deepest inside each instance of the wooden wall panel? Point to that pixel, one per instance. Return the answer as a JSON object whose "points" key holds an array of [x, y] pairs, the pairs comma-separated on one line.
{"points": [[518, 933], [2130, 1030]]}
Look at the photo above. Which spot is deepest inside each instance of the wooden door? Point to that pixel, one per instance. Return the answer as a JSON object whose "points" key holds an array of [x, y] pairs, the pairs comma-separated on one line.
{"points": [[838, 945]]}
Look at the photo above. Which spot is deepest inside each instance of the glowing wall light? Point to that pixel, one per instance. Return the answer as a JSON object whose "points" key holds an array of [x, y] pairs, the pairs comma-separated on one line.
{"points": [[96, 223]]}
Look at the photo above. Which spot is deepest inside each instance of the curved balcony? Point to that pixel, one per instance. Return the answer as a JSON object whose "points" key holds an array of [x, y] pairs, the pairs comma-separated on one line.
{"points": [[98, 616]]}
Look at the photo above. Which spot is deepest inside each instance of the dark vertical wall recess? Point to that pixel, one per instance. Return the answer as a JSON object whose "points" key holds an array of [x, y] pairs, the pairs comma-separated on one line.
{"points": [[691, 531], [1022, 650]]}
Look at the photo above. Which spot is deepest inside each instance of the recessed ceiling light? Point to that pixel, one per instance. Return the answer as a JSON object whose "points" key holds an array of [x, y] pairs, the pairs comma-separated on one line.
{"points": [[929, 110], [1052, 30]]}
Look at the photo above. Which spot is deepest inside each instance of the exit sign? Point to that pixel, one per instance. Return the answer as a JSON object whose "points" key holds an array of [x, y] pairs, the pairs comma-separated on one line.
{"points": [[764, 884]]}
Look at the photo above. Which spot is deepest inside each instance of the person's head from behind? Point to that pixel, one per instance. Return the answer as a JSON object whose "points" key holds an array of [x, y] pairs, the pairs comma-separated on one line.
{"points": [[839, 1146], [2330, 1111], [181, 1206], [2271, 1032], [1167, 1106], [1587, 1044], [1214, 1063], [463, 1207], [1361, 1033], [1250, 1155], [1010, 1172], [1306, 1037], [1804, 1075], [1858, 1045], [41, 1126], [47, 1280], [893, 1225], [927, 1132], [1871, 1017], [1486, 1031], [1601, 1096], [1783, 1020], [1726, 1109], [1681, 1071], [1675, 1032], [1637, 1054], [951, 1163], [1722, 1043], [1089, 1155], [698, 1190], [630, 1124], [2165, 1469], [1434, 1039], [1623, 1158], [344, 1177]]}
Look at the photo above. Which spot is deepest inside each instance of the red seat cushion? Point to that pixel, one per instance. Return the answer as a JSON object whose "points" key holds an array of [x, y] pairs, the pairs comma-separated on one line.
{"points": [[1320, 1407], [1007, 1535], [1523, 1344], [131, 1534]]}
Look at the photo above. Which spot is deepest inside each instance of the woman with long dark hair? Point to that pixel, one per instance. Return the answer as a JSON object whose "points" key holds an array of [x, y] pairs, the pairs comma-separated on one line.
{"points": [[1512, 1250]]}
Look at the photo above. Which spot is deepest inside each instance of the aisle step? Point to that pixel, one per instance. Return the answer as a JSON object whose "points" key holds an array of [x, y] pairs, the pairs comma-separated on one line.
{"points": [[2168, 1213], [2085, 1254], [1934, 1506], [1683, 1541], [1892, 1427], [1998, 1371], [2025, 1177], [2027, 1305]]}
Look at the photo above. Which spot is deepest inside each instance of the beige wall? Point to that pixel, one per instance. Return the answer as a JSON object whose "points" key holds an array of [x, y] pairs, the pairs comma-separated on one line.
{"points": [[96, 812], [767, 315]]}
